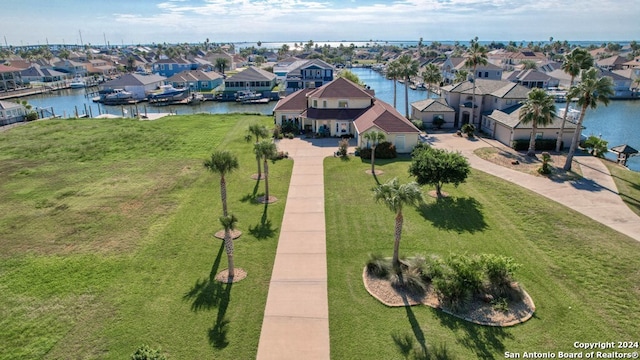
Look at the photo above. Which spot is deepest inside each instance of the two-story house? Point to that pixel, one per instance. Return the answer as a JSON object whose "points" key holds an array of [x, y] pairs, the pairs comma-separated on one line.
{"points": [[452, 65], [250, 79], [342, 108], [309, 74], [170, 67], [10, 78], [71, 67]]}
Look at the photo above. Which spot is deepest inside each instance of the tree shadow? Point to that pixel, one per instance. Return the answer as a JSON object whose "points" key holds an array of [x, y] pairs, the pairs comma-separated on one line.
{"points": [[265, 229], [206, 293], [253, 195], [218, 333], [486, 341], [457, 214]]}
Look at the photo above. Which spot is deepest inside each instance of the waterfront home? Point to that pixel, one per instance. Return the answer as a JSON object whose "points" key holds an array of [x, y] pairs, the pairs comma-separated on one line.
{"points": [[435, 113], [452, 65], [10, 78], [342, 108], [101, 67], [615, 62], [251, 78], [40, 74], [518, 57], [11, 112], [532, 79], [622, 85], [213, 57], [196, 80], [489, 95], [71, 67], [136, 84], [308, 74], [170, 67], [504, 125]]}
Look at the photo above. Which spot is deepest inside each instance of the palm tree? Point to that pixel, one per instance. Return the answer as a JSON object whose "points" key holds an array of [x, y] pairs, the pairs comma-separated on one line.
{"points": [[461, 76], [395, 195], [222, 64], [431, 75], [393, 73], [229, 223], [259, 131], [408, 67], [477, 55], [590, 91], [266, 150], [576, 61], [375, 137], [222, 162], [539, 110]]}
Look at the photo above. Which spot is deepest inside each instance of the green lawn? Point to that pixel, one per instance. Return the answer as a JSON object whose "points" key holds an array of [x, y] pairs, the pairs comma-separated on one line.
{"points": [[106, 236], [628, 184], [583, 277]]}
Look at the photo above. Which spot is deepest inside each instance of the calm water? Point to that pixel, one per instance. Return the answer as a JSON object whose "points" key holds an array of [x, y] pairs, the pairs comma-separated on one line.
{"points": [[618, 123]]}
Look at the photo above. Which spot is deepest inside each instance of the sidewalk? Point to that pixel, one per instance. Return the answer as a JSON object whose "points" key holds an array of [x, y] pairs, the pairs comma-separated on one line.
{"points": [[595, 195], [296, 316]]}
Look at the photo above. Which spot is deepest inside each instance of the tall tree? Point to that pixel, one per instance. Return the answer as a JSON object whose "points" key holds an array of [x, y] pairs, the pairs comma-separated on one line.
{"points": [[590, 91], [408, 67], [222, 162], [461, 76], [393, 73], [375, 137], [576, 61], [222, 64], [229, 223], [437, 167], [395, 196], [539, 110], [476, 55], [260, 132], [431, 75], [266, 149]]}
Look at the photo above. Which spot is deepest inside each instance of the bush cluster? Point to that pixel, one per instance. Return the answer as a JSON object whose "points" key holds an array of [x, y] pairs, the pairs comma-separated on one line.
{"points": [[456, 279], [541, 144], [384, 150]]}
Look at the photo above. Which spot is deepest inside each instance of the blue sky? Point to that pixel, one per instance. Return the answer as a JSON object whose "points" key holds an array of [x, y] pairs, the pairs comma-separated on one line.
{"points": [[147, 21]]}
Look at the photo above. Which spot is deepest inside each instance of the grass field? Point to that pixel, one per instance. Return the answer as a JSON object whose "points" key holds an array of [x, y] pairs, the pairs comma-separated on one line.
{"points": [[107, 239], [583, 277]]}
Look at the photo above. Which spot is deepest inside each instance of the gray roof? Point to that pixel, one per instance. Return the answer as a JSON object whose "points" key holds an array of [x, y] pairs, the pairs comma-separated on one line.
{"points": [[5, 105], [134, 80], [432, 105], [511, 118], [498, 88], [252, 73]]}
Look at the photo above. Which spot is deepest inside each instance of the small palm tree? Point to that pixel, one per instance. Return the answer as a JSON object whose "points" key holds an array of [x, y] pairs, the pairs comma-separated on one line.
{"points": [[260, 132], [222, 162], [375, 137], [431, 75], [408, 67], [576, 61], [266, 150], [461, 76], [393, 73], [591, 91], [539, 110], [229, 223], [395, 196], [477, 55]]}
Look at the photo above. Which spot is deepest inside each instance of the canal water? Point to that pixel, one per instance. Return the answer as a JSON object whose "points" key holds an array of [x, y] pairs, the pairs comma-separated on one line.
{"points": [[618, 123]]}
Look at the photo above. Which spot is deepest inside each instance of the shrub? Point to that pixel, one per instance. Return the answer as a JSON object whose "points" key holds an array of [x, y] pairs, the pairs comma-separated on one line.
{"points": [[468, 271], [499, 271], [438, 122], [378, 266], [433, 268], [289, 127], [409, 280], [419, 124], [546, 167], [144, 352], [468, 129], [596, 146], [343, 146], [452, 293], [277, 133], [385, 150], [31, 116], [290, 135], [541, 144]]}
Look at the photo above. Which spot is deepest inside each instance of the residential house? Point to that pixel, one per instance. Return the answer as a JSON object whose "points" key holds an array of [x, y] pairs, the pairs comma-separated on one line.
{"points": [[100, 67], [615, 62], [196, 80], [138, 85], [71, 67], [10, 78], [251, 78], [516, 58], [212, 58], [622, 85], [433, 110], [11, 112], [489, 95], [170, 67], [39, 74], [342, 108], [309, 74], [533, 79], [505, 126], [452, 65]]}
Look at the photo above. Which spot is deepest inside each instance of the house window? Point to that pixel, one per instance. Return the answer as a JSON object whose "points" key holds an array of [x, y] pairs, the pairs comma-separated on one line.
{"points": [[315, 103], [538, 135], [486, 74], [324, 103], [479, 74], [343, 103], [283, 119]]}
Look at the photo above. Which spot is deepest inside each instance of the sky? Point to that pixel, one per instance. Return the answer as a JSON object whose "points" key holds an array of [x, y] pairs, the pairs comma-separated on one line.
{"points": [[32, 22]]}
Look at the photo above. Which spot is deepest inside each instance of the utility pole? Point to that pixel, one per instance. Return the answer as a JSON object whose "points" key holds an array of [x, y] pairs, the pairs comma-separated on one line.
{"points": [[81, 43]]}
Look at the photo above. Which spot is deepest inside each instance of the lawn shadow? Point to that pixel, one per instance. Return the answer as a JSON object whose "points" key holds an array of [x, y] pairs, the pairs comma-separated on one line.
{"points": [[207, 293], [486, 341], [218, 333], [454, 213], [265, 229], [254, 194]]}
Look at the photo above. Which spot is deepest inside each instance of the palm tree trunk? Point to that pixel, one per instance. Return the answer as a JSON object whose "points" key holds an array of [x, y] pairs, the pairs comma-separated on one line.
{"points": [[473, 99], [259, 170], [394, 92], [223, 195], [266, 180], [373, 160], [228, 246], [532, 139], [575, 140], [406, 97], [396, 244], [564, 120]]}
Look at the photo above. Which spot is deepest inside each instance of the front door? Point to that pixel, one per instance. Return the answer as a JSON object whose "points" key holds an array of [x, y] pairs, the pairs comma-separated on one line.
{"points": [[342, 128]]}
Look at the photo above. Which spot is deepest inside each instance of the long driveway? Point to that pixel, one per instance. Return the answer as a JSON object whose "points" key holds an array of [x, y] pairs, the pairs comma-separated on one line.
{"points": [[296, 316]]}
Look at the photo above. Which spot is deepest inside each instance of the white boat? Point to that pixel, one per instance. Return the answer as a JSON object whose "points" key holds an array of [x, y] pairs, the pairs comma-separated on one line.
{"points": [[77, 83], [247, 96], [117, 96], [573, 114], [166, 92]]}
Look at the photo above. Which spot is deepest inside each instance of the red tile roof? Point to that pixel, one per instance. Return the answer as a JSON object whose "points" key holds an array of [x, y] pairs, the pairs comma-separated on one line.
{"points": [[341, 88]]}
